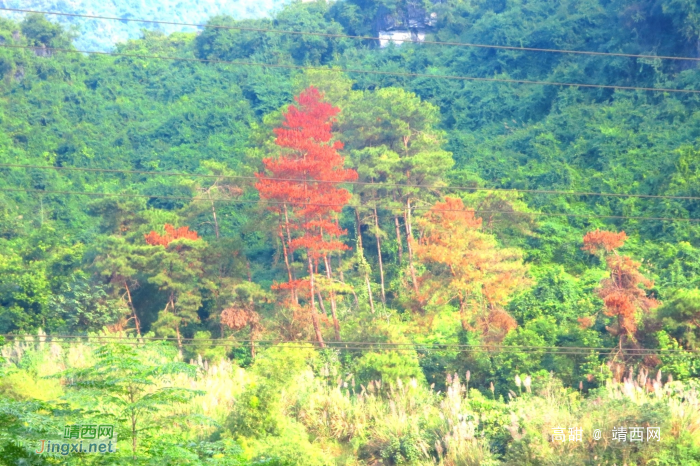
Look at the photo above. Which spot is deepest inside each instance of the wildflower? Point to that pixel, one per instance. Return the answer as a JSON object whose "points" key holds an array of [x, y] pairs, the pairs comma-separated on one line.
{"points": [[527, 383], [518, 382]]}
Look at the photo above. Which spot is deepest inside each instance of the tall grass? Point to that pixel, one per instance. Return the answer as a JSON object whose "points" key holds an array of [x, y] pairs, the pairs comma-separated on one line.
{"points": [[391, 422]]}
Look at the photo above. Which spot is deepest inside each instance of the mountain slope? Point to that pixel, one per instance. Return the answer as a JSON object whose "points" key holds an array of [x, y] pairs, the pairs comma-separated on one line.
{"points": [[103, 34]]}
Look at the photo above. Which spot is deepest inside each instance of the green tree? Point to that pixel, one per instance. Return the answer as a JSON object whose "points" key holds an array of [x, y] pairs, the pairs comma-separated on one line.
{"points": [[681, 315], [125, 385], [39, 31], [119, 262], [86, 306], [393, 139], [177, 269]]}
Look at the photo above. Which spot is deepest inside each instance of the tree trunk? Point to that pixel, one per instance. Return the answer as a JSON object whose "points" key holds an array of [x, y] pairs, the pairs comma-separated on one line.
{"points": [[398, 238], [340, 268], [409, 235], [320, 302], [359, 229], [379, 254], [179, 338], [362, 254], [133, 310], [289, 268], [314, 316], [252, 342], [462, 316], [369, 293], [336, 324], [213, 211], [133, 435], [295, 295]]}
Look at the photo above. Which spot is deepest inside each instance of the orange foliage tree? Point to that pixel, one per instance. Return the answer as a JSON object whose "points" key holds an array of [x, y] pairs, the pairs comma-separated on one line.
{"points": [[623, 291], [304, 182], [241, 311], [465, 265], [171, 234], [601, 241]]}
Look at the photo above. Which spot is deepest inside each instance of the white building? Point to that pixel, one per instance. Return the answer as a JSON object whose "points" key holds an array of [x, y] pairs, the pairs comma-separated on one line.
{"points": [[399, 37]]}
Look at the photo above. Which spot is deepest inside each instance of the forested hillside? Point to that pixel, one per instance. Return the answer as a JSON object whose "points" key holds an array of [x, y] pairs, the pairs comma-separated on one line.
{"points": [[97, 34], [362, 268]]}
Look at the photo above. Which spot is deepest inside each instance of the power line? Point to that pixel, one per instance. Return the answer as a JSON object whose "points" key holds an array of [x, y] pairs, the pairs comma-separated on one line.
{"points": [[357, 183], [354, 346], [38, 338], [346, 70], [357, 37], [611, 352], [309, 342], [271, 203], [365, 349]]}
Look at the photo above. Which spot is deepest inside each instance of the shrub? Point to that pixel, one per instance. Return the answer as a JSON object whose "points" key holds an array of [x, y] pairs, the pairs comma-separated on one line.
{"points": [[388, 367], [257, 411]]}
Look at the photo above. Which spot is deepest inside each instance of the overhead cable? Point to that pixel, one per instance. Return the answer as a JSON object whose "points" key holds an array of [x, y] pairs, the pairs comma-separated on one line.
{"points": [[356, 71], [302, 204], [356, 37], [357, 183]]}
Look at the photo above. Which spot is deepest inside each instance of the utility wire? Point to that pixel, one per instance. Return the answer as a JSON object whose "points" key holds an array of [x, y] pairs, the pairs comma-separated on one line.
{"points": [[40, 338], [355, 183], [301, 204], [347, 36], [354, 344], [346, 70], [562, 350], [614, 351]]}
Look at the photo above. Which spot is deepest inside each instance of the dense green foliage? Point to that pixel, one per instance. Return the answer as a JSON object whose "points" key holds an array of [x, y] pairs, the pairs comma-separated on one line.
{"points": [[75, 264], [95, 34]]}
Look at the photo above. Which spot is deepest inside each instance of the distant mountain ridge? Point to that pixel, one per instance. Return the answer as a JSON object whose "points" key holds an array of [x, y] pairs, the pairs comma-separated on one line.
{"points": [[103, 34]]}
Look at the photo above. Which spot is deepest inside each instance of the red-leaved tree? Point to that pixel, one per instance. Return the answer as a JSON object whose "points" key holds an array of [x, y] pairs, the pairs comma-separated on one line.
{"points": [[601, 241], [171, 234], [465, 264], [623, 291], [304, 182]]}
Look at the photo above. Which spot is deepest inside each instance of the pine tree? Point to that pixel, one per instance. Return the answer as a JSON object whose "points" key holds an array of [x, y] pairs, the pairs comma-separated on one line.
{"points": [[623, 291], [304, 181], [177, 269], [465, 264]]}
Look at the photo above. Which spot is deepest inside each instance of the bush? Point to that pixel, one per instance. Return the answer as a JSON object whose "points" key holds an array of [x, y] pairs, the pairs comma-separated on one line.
{"points": [[290, 448], [202, 346], [22, 385], [258, 411], [388, 367]]}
